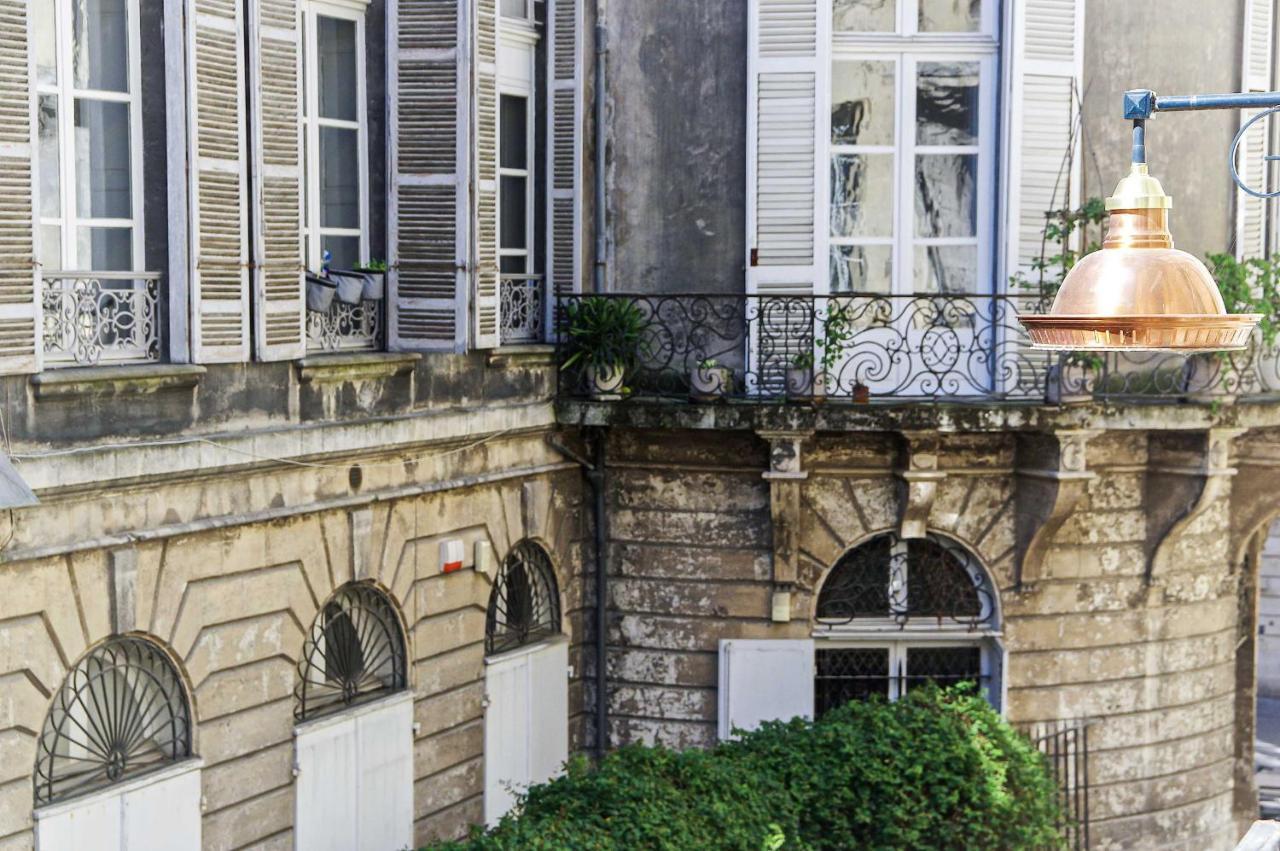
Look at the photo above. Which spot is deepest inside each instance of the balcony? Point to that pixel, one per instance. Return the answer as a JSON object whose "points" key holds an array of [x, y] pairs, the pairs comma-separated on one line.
{"points": [[345, 312], [869, 348], [93, 318], [523, 309]]}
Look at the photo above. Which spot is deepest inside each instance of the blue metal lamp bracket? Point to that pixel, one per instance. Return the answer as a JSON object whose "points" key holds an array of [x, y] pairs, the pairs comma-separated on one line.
{"points": [[1140, 104]]}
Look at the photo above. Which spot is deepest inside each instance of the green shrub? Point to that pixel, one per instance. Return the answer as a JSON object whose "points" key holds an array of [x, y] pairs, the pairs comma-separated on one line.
{"points": [[934, 770]]}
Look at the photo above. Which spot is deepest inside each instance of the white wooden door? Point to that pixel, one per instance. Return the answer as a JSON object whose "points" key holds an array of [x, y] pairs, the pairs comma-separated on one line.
{"points": [[155, 812], [325, 803], [384, 790], [526, 722], [763, 680]]}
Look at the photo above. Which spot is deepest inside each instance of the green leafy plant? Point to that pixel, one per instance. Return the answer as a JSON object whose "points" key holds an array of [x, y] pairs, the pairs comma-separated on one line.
{"points": [[604, 333], [937, 769], [708, 363], [371, 266], [1250, 286], [838, 330], [804, 360]]}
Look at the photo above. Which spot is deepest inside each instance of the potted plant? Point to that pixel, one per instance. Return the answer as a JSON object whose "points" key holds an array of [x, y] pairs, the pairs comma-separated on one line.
{"points": [[375, 273], [710, 380], [800, 377], [350, 286], [606, 339], [320, 292]]}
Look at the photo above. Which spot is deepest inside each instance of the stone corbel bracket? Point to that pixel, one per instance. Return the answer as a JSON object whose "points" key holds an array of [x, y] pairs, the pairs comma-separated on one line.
{"points": [[1050, 476], [918, 478], [1187, 472], [785, 474]]}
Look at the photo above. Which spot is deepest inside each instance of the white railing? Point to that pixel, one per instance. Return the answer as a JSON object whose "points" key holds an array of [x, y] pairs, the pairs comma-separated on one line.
{"points": [[523, 309], [95, 318], [348, 316]]}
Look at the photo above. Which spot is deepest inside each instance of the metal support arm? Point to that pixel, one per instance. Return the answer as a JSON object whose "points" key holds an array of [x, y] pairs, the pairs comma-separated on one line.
{"points": [[1141, 104]]}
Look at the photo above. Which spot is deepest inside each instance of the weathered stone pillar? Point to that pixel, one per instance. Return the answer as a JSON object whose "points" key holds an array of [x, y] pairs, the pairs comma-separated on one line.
{"points": [[785, 474]]}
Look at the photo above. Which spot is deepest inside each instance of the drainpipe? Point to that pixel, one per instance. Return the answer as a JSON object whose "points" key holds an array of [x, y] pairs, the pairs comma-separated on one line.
{"points": [[602, 244]]}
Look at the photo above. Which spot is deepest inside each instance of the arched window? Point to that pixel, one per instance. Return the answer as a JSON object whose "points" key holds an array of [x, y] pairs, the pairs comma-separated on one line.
{"points": [[355, 651], [524, 606], [119, 713], [893, 614]]}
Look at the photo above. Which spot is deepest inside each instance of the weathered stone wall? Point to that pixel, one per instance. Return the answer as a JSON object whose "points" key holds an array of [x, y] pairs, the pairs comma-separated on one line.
{"points": [[1152, 663], [1269, 616], [235, 552]]}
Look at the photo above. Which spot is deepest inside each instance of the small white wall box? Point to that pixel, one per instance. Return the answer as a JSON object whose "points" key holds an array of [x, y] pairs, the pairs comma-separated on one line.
{"points": [[484, 558], [451, 551]]}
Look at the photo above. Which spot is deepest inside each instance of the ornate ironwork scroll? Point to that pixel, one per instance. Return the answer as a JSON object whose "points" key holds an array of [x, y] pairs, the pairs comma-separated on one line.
{"points": [[524, 605], [888, 578], [95, 317], [120, 712], [355, 652], [523, 309], [346, 327]]}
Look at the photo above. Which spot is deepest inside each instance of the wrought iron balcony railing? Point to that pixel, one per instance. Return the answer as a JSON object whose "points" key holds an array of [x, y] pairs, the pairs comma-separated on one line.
{"points": [[867, 347], [350, 318], [523, 309], [100, 317]]}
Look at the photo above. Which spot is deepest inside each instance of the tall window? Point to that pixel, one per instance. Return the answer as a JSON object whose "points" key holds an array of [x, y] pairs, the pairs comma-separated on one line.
{"points": [[912, 145], [334, 135], [89, 130], [516, 154]]}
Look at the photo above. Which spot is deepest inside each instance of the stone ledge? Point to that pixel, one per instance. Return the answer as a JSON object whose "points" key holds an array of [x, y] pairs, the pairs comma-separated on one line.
{"points": [[103, 381], [355, 366], [516, 356]]}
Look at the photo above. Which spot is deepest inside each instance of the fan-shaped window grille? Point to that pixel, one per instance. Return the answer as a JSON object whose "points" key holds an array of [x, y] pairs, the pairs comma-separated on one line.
{"points": [[355, 652], [920, 579], [120, 712], [524, 605]]}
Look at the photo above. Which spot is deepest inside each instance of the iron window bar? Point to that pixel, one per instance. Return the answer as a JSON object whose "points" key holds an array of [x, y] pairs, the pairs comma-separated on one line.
{"points": [[523, 308], [524, 605]]}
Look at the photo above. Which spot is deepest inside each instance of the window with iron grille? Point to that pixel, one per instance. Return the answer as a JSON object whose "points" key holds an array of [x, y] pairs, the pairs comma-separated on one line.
{"points": [[895, 614], [524, 606]]}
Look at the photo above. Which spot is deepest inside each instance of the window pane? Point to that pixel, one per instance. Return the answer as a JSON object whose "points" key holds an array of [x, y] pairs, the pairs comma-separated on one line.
{"points": [[862, 195], [101, 50], [50, 178], [339, 178], [950, 15], [861, 268], [337, 48], [46, 44], [849, 674], [515, 132], [946, 269], [103, 160], [514, 206], [946, 201], [865, 16], [513, 263], [51, 247], [862, 103], [947, 103], [514, 9], [945, 666], [105, 249], [345, 250]]}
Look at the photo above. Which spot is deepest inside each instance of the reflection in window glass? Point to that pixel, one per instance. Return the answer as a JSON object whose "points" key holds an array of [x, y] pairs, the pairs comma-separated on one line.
{"points": [[46, 42], [862, 103], [861, 268], [50, 161], [337, 47], [101, 48], [950, 15], [104, 249], [946, 268], [947, 103], [515, 135], [51, 247], [946, 202], [344, 250], [862, 195], [103, 161], [865, 15], [514, 9], [339, 178]]}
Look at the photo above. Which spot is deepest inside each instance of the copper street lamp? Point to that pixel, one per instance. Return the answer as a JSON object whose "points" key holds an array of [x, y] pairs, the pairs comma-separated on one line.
{"points": [[1139, 292]]}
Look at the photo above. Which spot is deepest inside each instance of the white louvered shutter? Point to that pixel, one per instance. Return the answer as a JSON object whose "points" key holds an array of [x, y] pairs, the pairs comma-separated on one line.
{"points": [[219, 197], [764, 680], [1251, 211], [1045, 49], [788, 71], [277, 184], [564, 251], [485, 301], [428, 228], [19, 277]]}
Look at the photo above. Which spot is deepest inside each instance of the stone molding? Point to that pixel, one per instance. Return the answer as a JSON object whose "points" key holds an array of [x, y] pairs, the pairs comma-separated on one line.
{"points": [[1186, 474], [1050, 476], [785, 474], [919, 479]]}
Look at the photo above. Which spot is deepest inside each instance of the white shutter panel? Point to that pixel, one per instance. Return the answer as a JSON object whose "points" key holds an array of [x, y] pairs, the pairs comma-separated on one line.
{"points": [[326, 813], [788, 71], [1044, 54], [764, 681], [219, 203], [486, 301], [1251, 211], [163, 816], [384, 784], [91, 823], [277, 184], [19, 278], [565, 106], [506, 733], [549, 710], [428, 229]]}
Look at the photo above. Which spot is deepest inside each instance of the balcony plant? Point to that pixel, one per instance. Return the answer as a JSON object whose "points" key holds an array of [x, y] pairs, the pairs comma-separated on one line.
{"points": [[320, 293], [801, 381], [375, 273], [606, 340], [709, 380]]}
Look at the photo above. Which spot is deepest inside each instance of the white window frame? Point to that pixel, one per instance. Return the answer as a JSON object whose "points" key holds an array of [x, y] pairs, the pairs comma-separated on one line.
{"points": [[517, 73], [907, 47], [312, 232], [66, 93]]}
